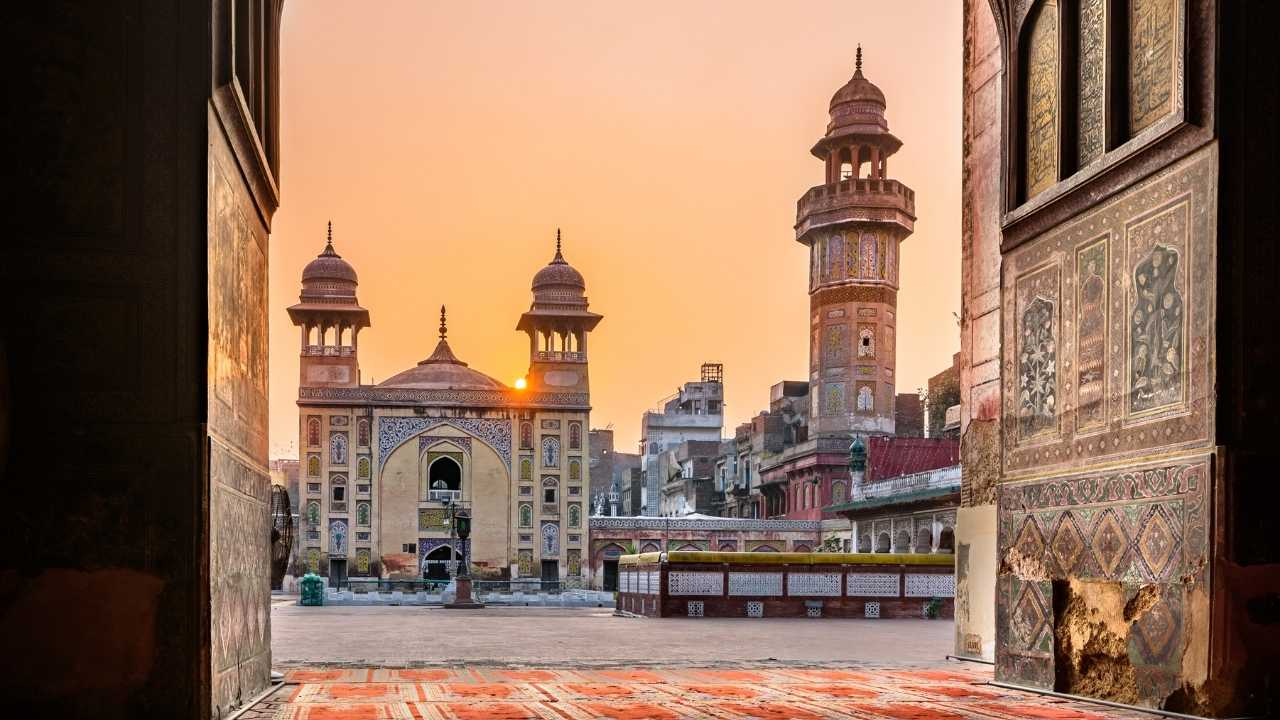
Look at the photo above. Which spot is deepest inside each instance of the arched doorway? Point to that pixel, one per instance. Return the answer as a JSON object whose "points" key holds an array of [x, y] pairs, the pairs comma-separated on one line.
{"points": [[882, 543], [444, 480], [435, 566], [924, 540], [610, 555], [947, 541]]}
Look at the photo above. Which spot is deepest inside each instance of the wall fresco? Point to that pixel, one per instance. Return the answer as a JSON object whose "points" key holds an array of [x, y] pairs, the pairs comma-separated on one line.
{"points": [[1139, 405], [837, 345], [1153, 61], [1091, 335], [1037, 368], [1041, 119], [1156, 245]]}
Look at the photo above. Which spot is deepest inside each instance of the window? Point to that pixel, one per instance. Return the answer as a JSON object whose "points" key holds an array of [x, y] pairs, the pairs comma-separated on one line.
{"points": [[526, 490], [313, 466], [444, 480], [575, 470], [526, 468], [526, 516], [549, 495], [338, 448], [362, 514], [362, 432], [575, 515], [339, 493], [363, 467], [526, 435], [575, 436], [574, 490], [313, 432], [409, 548], [550, 451]]}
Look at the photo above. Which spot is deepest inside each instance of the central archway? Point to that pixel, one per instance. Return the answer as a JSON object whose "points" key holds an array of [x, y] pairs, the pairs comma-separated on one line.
{"points": [[444, 480]]}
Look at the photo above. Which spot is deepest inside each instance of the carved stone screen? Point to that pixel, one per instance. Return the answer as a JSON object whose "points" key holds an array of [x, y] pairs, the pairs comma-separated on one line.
{"points": [[695, 583], [930, 585], [1092, 80], [1153, 61], [1041, 121], [816, 584], [755, 583], [873, 584]]}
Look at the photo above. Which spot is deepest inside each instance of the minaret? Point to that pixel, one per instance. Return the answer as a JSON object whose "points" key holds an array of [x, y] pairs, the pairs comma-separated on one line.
{"points": [[331, 319], [557, 324], [853, 224]]}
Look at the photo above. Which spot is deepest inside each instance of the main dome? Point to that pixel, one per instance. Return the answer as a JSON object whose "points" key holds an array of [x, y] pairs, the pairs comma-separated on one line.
{"points": [[442, 371]]}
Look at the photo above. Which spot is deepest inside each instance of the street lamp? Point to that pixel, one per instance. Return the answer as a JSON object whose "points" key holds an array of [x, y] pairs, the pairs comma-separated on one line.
{"points": [[459, 519]]}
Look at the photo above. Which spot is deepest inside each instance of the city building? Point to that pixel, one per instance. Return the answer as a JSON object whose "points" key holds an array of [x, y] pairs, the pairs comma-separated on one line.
{"points": [[908, 415], [694, 412], [610, 470], [690, 473], [382, 464], [942, 395]]}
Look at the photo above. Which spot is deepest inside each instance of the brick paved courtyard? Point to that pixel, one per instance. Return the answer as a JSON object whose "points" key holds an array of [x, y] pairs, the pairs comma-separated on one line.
{"points": [[414, 663]]}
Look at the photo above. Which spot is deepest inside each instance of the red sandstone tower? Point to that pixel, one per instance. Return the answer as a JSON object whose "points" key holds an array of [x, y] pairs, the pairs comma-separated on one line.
{"points": [[853, 224]]}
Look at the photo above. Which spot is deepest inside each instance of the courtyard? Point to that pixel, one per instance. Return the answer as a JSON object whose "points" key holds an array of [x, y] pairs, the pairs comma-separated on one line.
{"points": [[416, 663]]}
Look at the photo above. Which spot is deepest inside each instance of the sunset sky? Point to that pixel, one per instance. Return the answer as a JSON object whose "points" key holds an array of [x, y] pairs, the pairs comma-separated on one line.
{"points": [[669, 140]]}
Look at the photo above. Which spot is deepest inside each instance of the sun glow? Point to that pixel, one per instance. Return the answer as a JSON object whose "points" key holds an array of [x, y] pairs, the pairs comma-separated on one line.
{"points": [[521, 383]]}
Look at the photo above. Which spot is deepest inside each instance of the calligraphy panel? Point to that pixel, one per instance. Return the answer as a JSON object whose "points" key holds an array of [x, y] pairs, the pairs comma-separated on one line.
{"points": [[1153, 44], [1092, 78], [1041, 123]]}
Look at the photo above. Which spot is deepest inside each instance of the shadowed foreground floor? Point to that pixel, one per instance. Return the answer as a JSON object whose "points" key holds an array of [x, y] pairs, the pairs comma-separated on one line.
{"points": [[952, 691]]}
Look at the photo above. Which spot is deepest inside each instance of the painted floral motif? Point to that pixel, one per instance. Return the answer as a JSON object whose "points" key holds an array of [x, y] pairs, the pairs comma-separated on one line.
{"points": [[575, 562], [550, 539], [337, 536], [835, 251], [526, 468], [575, 516], [362, 514], [362, 561], [866, 343], [575, 436], [1037, 369], [362, 467], [870, 257], [362, 432], [833, 399], [313, 466], [313, 513], [526, 435], [1156, 347], [550, 452], [866, 399], [338, 448], [837, 345], [575, 470], [526, 515], [313, 432], [525, 560]]}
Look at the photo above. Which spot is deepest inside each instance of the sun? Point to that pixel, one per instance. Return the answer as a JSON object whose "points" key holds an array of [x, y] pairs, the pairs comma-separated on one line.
{"points": [[521, 383]]}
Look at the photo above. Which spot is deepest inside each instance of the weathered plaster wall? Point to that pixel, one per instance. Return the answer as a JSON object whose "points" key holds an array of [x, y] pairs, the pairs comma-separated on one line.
{"points": [[979, 333]]}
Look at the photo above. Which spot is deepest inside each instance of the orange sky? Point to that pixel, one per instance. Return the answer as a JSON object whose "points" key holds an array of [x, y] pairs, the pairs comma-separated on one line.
{"points": [[670, 141]]}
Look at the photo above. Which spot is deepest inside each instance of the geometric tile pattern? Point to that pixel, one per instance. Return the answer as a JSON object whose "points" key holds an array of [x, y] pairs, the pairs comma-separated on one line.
{"points": [[1138, 527], [871, 609], [945, 692], [755, 609], [696, 608]]}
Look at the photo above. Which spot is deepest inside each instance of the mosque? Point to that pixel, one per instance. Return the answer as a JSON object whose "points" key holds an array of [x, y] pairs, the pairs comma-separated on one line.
{"points": [[382, 464]]}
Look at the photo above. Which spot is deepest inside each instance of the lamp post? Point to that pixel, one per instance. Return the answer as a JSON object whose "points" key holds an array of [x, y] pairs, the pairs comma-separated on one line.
{"points": [[460, 526]]}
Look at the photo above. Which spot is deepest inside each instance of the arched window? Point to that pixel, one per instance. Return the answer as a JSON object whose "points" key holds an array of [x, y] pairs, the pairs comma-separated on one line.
{"points": [[338, 536], [551, 451], [801, 547], [837, 492], [727, 546], [362, 514], [362, 468], [338, 489], [575, 515], [864, 544], [549, 487], [444, 480], [882, 543], [903, 543], [313, 466], [575, 470], [526, 515], [338, 448], [526, 435], [924, 540], [866, 343], [313, 513], [947, 541], [362, 432], [575, 436], [313, 432], [526, 468], [866, 399], [649, 547]]}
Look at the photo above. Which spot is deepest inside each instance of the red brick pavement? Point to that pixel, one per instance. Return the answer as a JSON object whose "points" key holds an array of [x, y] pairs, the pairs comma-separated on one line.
{"points": [[951, 692]]}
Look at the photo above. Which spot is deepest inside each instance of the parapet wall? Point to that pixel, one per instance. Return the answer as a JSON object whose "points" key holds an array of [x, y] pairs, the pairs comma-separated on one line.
{"points": [[749, 584]]}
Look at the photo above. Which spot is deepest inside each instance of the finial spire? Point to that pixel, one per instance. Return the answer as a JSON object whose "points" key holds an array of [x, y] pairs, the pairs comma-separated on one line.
{"points": [[330, 240], [857, 66], [444, 328], [558, 258]]}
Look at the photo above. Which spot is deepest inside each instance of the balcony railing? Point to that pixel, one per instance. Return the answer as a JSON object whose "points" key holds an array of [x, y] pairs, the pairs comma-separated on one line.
{"points": [[329, 350], [444, 496], [941, 479], [561, 356]]}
